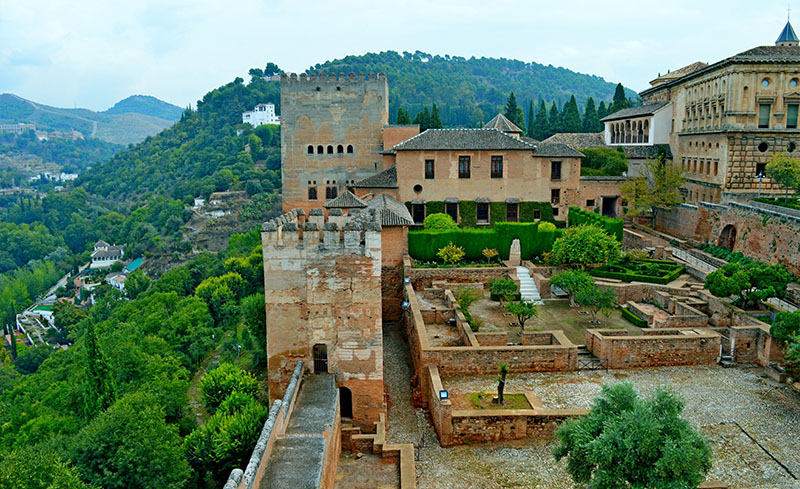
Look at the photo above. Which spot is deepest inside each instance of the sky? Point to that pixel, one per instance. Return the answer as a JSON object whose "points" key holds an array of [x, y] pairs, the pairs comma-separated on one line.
{"points": [[93, 53]]}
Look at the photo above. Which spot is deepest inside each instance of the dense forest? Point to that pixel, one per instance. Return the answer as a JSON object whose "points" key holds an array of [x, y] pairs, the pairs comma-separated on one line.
{"points": [[470, 91], [71, 155]]}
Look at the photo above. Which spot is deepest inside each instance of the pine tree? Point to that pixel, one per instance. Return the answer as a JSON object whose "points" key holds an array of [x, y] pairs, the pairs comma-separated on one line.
{"points": [[541, 125], [620, 101], [403, 117], [436, 119], [555, 120], [602, 111], [531, 117], [514, 113], [100, 390], [571, 117], [591, 123]]}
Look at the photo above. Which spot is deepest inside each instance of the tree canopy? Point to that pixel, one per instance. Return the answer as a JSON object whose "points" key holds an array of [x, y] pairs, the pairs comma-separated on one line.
{"points": [[584, 245], [657, 188]]}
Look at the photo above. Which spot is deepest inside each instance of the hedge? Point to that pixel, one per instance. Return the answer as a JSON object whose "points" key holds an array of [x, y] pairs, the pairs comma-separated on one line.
{"points": [[631, 276], [636, 320], [578, 216], [424, 244], [497, 211]]}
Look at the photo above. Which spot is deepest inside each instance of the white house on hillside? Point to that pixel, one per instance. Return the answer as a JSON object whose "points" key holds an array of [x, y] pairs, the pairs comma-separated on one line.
{"points": [[104, 255], [261, 114]]}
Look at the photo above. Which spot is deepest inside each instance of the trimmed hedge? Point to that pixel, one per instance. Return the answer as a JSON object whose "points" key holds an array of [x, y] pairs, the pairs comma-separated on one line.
{"points": [[671, 271], [434, 207], [497, 211], [578, 216], [424, 244], [633, 318]]}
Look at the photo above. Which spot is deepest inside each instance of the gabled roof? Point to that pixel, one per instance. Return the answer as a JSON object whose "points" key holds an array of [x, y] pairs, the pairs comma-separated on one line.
{"points": [[101, 244], [392, 212], [463, 139], [787, 34], [345, 200], [502, 123], [640, 110], [578, 139], [385, 179], [557, 150]]}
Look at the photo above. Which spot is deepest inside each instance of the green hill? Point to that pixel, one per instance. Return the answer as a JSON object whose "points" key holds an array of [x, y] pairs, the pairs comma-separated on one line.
{"points": [[123, 128], [146, 105], [469, 91]]}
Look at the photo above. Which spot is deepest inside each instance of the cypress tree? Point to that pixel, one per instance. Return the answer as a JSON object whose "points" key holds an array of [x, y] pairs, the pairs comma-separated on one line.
{"points": [[531, 117], [402, 116], [13, 330], [514, 113], [100, 390], [591, 123], [436, 119], [423, 119], [602, 111], [571, 117], [620, 101], [541, 125], [555, 120]]}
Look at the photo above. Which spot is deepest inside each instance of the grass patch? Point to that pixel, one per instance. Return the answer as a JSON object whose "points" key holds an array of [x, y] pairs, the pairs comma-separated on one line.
{"points": [[483, 400]]}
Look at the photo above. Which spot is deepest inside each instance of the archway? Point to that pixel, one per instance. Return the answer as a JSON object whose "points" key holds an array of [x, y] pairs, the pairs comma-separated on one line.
{"points": [[727, 238], [320, 358], [345, 402]]}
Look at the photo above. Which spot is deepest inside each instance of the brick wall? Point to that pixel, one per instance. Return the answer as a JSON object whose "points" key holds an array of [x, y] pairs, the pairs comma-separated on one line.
{"points": [[655, 348], [424, 277]]}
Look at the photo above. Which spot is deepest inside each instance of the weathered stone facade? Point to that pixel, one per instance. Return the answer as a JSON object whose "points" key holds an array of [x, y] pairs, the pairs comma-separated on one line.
{"points": [[323, 305]]}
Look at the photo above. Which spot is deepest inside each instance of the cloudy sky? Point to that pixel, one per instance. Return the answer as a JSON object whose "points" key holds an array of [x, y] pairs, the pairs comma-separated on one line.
{"points": [[92, 53]]}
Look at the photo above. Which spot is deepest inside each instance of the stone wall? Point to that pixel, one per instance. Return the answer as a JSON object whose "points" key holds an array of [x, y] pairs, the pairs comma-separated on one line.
{"points": [[424, 277], [655, 348]]}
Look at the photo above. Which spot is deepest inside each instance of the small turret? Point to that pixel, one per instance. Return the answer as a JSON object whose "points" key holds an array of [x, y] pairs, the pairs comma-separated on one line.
{"points": [[787, 36]]}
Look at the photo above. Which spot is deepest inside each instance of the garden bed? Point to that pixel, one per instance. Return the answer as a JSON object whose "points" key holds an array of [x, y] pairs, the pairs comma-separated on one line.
{"points": [[457, 265], [483, 400], [651, 271]]}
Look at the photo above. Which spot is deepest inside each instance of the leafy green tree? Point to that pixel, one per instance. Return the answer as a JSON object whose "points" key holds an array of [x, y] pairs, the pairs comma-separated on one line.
{"points": [[218, 384], [791, 357], [571, 117], [584, 245], [513, 112], [603, 162], [657, 188], [100, 390], [540, 129], [591, 123], [522, 310], [131, 445], [38, 468], [439, 221], [596, 299], [555, 120], [572, 281], [136, 284], [786, 171], [254, 317], [785, 325], [503, 289], [28, 361], [750, 282], [628, 442]]}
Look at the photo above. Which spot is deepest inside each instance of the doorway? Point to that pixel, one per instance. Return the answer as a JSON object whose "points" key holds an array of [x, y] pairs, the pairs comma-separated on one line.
{"points": [[320, 359], [345, 402], [727, 237], [610, 206]]}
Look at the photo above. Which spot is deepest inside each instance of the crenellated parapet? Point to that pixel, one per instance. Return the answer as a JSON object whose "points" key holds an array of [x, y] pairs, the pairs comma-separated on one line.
{"points": [[356, 233], [330, 78]]}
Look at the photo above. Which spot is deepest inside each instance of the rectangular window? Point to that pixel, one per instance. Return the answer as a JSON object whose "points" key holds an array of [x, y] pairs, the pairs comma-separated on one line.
{"points": [[429, 173], [791, 116], [555, 211], [482, 212], [537, 214], [331, 193], [555, 196], [590, 203], [463, 167], [763, 115], [312, 193], [497, 167], [716, 167], [418, 212], [451, 209], [555, 170], [761, 169], [512, 212]]}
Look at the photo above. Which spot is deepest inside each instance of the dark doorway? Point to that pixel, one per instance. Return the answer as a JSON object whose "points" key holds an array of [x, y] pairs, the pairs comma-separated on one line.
{"points": [[610, 206], [451, 209], [727, 237], [345, 402], [320, 359]]}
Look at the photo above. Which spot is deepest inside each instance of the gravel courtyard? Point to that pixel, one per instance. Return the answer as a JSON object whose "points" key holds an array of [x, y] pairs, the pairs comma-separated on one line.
{"points": [[722, 403]]}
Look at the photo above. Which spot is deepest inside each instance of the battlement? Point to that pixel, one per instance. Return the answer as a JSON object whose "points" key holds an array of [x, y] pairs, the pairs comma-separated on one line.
{"points": [[330, 78], [356, 232]]}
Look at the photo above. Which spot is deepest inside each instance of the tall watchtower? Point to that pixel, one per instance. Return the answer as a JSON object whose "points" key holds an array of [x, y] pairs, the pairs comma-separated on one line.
{"points": [[323, 305], [331, 134]]}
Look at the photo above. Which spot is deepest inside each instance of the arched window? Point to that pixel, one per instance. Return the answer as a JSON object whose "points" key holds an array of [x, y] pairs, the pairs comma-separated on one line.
{"points": [[320, 150], [646, 131], [349, 149], [330, 149], [310, 149], [339, 149]]}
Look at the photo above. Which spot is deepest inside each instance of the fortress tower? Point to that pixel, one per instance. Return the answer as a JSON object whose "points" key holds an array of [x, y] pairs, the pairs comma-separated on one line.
{"points": [[323, 305], [331, 134]]}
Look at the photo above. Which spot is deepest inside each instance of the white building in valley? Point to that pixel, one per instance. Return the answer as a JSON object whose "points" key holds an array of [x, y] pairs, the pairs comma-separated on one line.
{"points": [[261, 114]]}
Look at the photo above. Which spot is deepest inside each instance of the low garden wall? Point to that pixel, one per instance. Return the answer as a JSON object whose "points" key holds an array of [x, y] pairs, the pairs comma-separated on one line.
{"points": [[423, 278], [655, 348]]}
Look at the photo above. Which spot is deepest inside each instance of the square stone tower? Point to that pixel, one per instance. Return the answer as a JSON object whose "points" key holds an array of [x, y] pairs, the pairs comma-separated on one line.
{"points": [[323, 305], [331, 134]]}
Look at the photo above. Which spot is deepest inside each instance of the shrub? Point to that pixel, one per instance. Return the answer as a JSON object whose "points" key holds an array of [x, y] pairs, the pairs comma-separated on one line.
{"points": [[490, 254], [466, 296], [502, 289], [749, 283], [219, 383], [572, 281], [652, 271], [584, 245], [451, 253], [440, 222], [785, 325], [578, 217]]}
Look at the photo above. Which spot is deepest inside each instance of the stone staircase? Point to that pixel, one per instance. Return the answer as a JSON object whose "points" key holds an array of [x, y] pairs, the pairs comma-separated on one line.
{"points": [[527, 287]]}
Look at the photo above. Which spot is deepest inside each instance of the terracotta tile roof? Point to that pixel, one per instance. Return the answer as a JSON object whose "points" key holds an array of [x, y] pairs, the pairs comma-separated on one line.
{"points": [[556, 150], [578, 139], [502, 123], [385, 179], [392, 212], [345, 200], [463, 139]]}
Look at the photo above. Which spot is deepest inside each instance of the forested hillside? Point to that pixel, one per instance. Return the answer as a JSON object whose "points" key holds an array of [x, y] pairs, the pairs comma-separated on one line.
{"points": [[68, 155], [469, 91]]}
